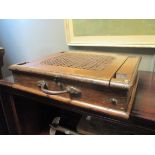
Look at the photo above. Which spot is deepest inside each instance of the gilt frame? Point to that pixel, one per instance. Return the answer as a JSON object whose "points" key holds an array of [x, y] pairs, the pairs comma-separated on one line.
{"points": [[145, 41]]}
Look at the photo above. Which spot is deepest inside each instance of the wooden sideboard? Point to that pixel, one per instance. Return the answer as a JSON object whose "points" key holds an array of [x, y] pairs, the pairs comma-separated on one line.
{"points": [[28, 111]]}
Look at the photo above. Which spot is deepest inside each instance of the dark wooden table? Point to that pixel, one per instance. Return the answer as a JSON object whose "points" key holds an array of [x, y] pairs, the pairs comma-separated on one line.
{"points": [[141, 121]]}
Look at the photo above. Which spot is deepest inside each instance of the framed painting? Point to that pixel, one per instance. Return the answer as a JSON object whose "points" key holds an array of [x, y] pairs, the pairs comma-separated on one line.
{"points": [[110, 32]]}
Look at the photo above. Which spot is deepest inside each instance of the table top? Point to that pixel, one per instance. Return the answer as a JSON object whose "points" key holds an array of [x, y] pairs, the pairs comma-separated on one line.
{"points": [[144, 104]]}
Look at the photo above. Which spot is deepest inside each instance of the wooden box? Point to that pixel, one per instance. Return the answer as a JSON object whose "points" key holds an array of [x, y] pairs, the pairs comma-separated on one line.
{"points": [[101, 82]]}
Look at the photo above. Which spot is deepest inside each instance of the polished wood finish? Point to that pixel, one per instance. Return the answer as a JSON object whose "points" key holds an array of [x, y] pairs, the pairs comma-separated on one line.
{"points": [[107, 82], [145, 98], [92, 97], [141, 121], [97, 76]]}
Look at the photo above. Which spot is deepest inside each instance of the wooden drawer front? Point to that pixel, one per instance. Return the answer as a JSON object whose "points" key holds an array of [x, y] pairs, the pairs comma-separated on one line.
{"points": [[107, 126], [92, 96]]}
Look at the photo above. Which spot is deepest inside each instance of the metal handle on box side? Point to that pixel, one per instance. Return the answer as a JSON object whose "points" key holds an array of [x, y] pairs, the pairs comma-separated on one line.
{"points": [[68, 89]]}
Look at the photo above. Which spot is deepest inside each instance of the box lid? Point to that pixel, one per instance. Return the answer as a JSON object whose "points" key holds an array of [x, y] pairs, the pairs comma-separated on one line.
{"points": [[101, 68]]}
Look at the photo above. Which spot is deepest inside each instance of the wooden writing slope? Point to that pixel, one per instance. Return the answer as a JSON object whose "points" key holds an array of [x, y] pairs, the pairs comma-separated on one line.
{"points": [[102, 82]]}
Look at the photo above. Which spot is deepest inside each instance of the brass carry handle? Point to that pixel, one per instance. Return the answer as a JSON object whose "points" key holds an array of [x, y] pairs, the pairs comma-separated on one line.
{"points": [[69, 89]]}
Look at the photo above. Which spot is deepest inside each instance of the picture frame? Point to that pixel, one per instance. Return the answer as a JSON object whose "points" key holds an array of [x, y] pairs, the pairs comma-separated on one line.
{"points": [[145, 41]]}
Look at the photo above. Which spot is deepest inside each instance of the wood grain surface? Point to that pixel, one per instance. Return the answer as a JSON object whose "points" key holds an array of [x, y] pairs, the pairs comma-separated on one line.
{"points": [[107, 82], [103, 76]]}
